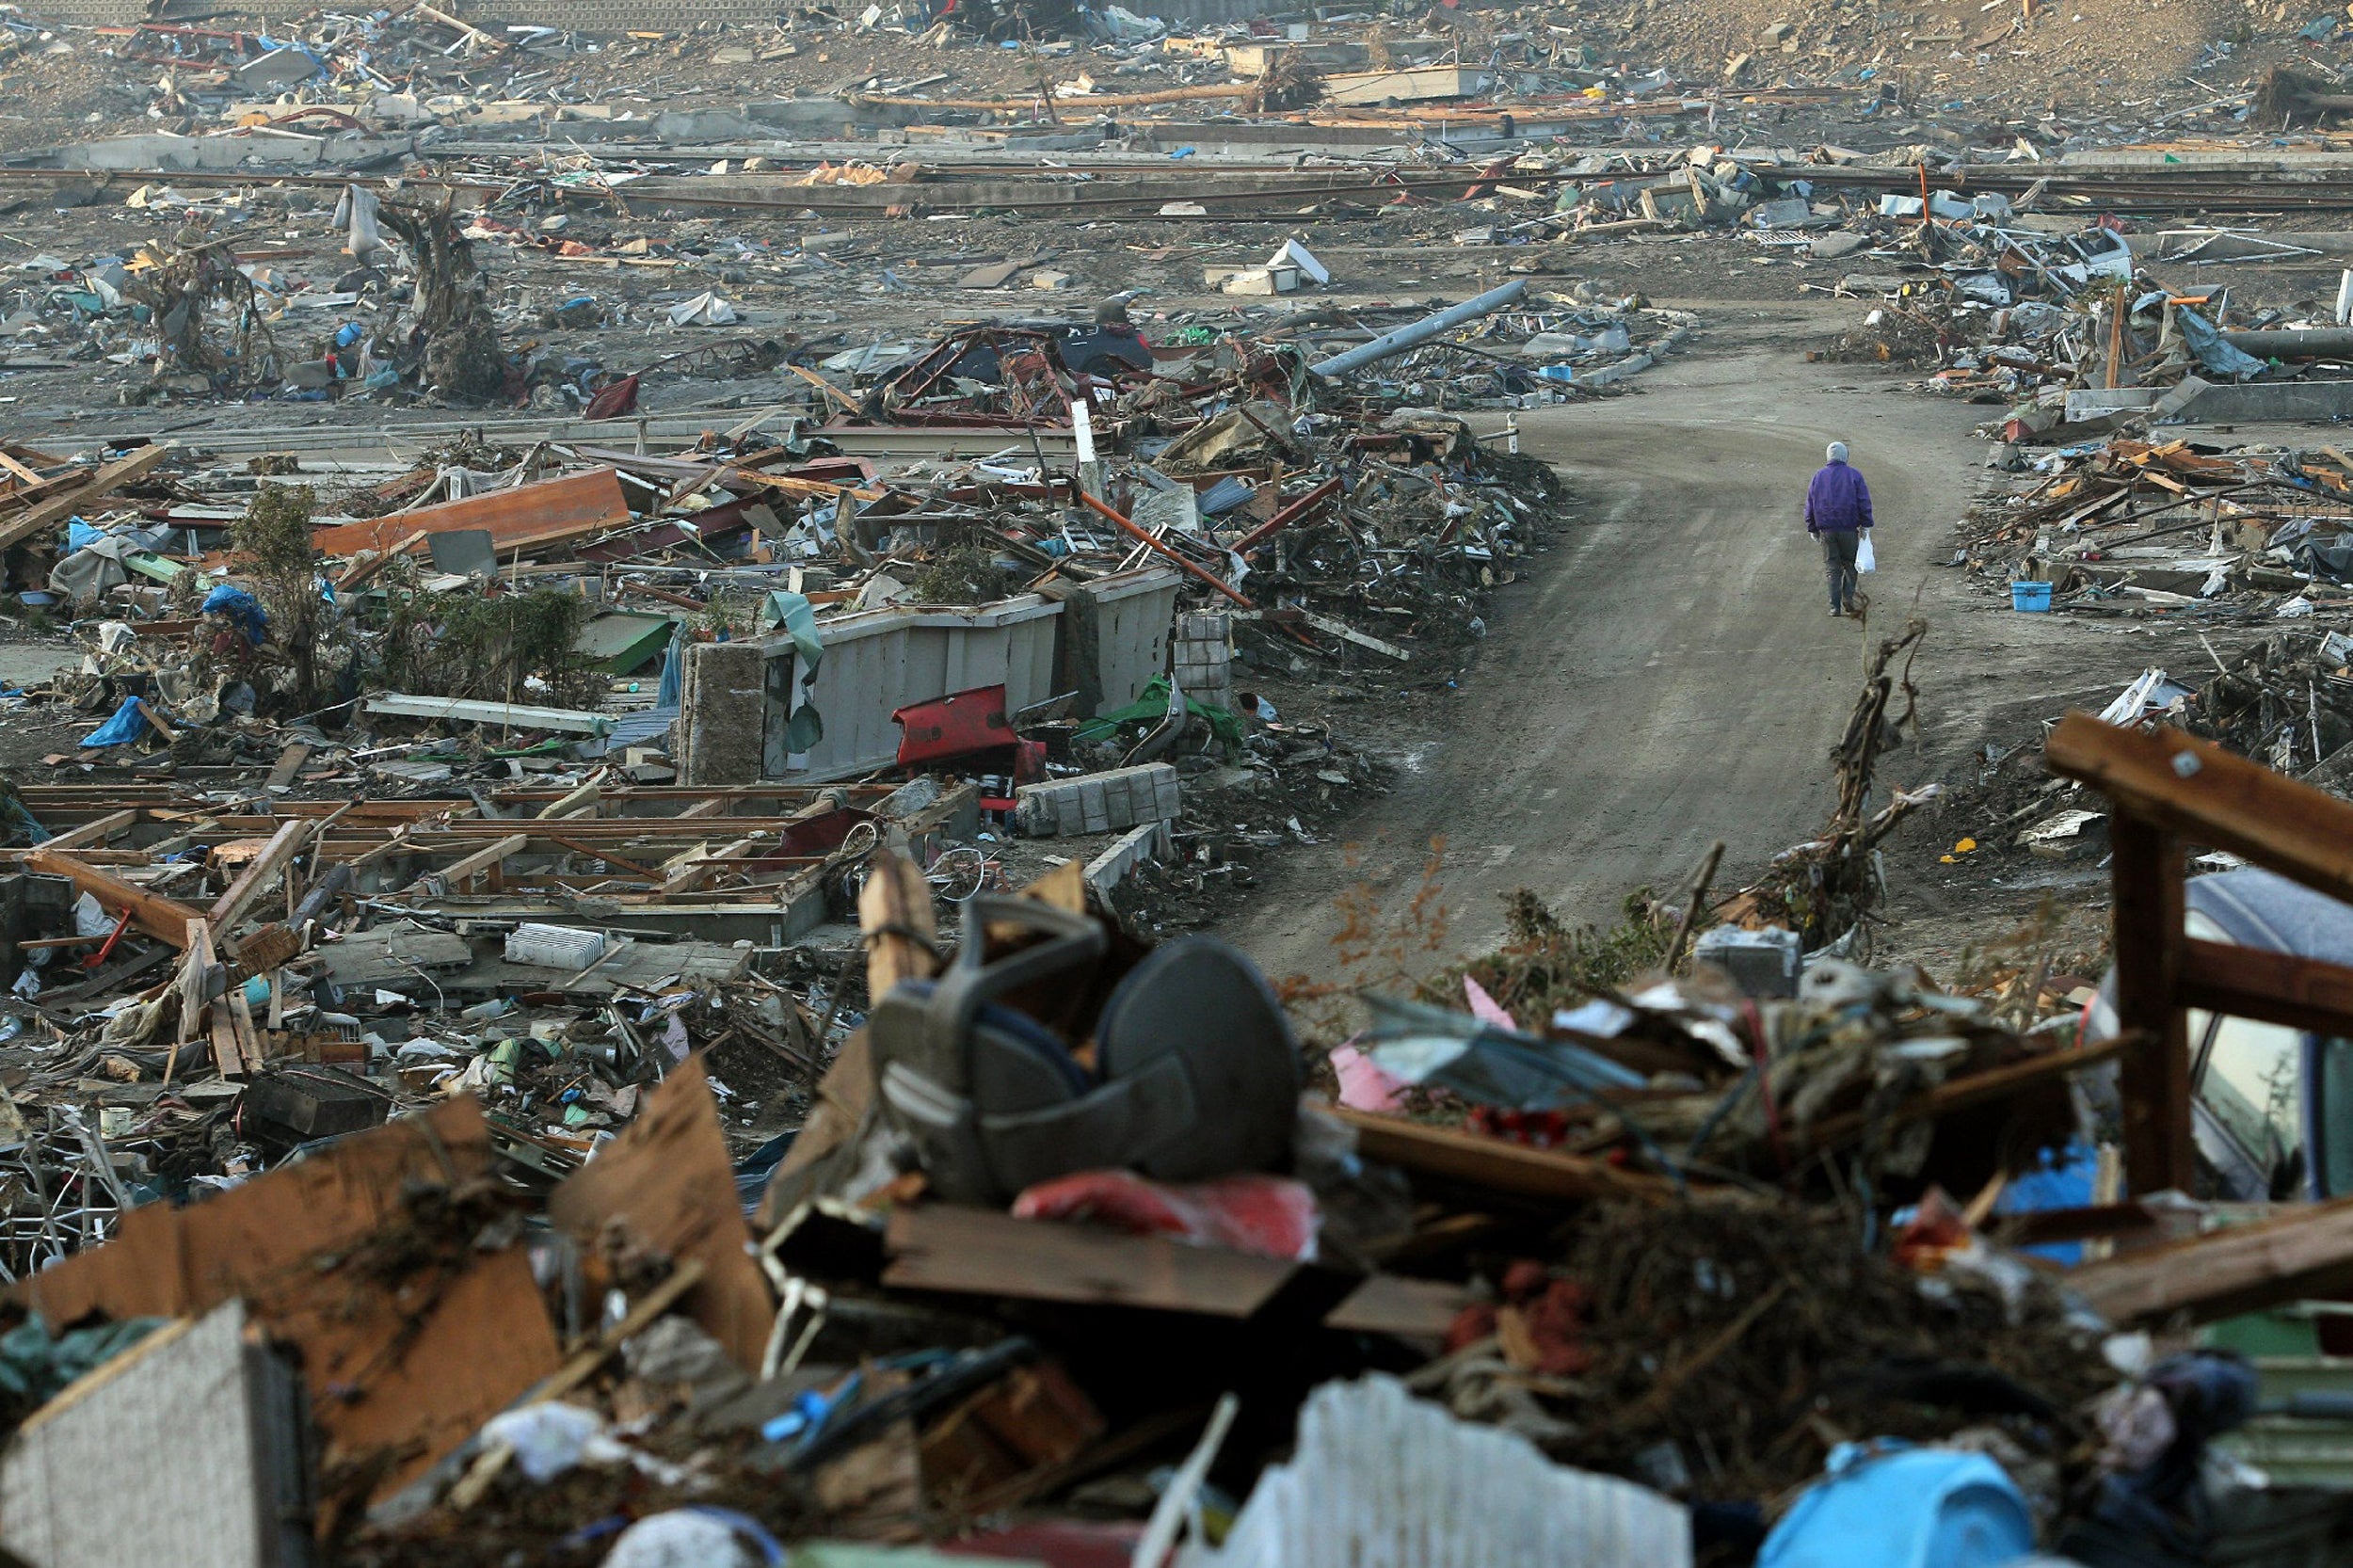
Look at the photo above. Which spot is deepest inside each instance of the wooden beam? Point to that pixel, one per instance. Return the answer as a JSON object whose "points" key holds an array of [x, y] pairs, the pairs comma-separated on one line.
{"points": [[94, 832], [584, 798], [196, 991], [289, 764], [555, 511], [1495, 1164], [942, 1247], [1410, 1308], [2306, 1252], [1995, 1084], [152, 914], [630, 867], [2206, 796], [894, 910], [895, 915], [457, 873], [701, 868], [259, 874], [108, 479], [156, 720], [2276, 987], [2154, 1082], [364, 571]]}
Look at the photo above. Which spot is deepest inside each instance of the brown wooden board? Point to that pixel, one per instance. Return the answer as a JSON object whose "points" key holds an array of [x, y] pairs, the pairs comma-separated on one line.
{"points": [[553, 511], [108, 479], [2276, 987], [980, 1252], [1409, 1309], [1995, 1083], [1495, 1164], [2306, 1251], [379, 1353], [2154, 1078], [152, 914], [263, 869], [2211, 798], [667, 1181]]}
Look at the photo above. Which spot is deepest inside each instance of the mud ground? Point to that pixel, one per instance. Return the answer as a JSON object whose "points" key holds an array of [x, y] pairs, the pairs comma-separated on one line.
{"points": [[1668, 674]]}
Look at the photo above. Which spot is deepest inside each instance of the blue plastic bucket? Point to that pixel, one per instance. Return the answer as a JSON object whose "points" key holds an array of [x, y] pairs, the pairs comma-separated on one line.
{"points": [[1886, 1504], [2030, 598]]}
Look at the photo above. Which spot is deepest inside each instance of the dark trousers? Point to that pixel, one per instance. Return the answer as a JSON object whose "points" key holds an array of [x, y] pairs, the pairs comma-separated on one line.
{"points": [[1838, 551]]}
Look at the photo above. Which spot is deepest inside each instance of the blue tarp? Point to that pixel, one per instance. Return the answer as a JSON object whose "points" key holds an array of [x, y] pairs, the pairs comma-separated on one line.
{"points": [[797, 617], [127, 725], [2212, 350], [242, 610], [673, 669]]}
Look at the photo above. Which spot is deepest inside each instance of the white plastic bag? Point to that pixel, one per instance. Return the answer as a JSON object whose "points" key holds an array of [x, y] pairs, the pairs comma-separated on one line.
{"points": [[1864, 560]]}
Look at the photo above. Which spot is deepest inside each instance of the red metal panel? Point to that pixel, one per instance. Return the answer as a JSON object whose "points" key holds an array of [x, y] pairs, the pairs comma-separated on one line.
{"points": [[953, 726]]}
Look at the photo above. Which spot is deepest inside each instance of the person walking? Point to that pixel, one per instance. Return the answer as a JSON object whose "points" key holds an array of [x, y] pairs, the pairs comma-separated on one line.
{"points": [[1838, 513]]}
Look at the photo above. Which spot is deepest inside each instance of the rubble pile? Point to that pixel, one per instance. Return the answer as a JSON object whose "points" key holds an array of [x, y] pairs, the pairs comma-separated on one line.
{"points": [[2127, 524], [1674, 1248], [644, 655]]}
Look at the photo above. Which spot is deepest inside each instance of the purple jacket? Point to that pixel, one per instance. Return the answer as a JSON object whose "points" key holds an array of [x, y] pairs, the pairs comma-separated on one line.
{"points": [[1838, 501]]}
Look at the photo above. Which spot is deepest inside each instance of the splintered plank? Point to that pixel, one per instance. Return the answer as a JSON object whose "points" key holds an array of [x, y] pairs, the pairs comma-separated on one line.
{"points": [[550, 512], [112, 477], [296, 1245], [667, 1182], [259, 874]]}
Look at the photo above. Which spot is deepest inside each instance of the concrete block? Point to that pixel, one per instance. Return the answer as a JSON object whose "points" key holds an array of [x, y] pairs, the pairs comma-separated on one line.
{"points": [[722, 714], [1099, 803], [2258, 402], [1193, 627], [1761, 963], [1138, 846], [2098, 402], [1203, 658]]}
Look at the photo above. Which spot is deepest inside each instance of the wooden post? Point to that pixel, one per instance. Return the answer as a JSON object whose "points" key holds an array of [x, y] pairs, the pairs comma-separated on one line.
{"points": [[2154, 1080]]}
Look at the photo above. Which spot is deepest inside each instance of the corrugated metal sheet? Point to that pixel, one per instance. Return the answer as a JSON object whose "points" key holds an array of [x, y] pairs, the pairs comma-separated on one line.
{"points": [[623, 640], [1379, 1477], [1134, 614], [879, 661], [642, 728]]}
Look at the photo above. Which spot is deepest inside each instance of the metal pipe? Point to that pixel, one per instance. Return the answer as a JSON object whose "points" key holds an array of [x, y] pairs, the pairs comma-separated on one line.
{"points": [[2324, 343], [1421, 332], [1181, 562]]}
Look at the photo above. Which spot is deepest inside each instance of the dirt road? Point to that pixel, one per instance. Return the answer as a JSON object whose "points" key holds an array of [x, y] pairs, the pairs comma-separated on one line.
{"points": [[1672, 674]]}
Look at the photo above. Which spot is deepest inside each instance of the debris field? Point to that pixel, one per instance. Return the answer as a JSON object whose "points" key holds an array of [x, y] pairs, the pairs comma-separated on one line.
{"points": [[651, 656]]}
